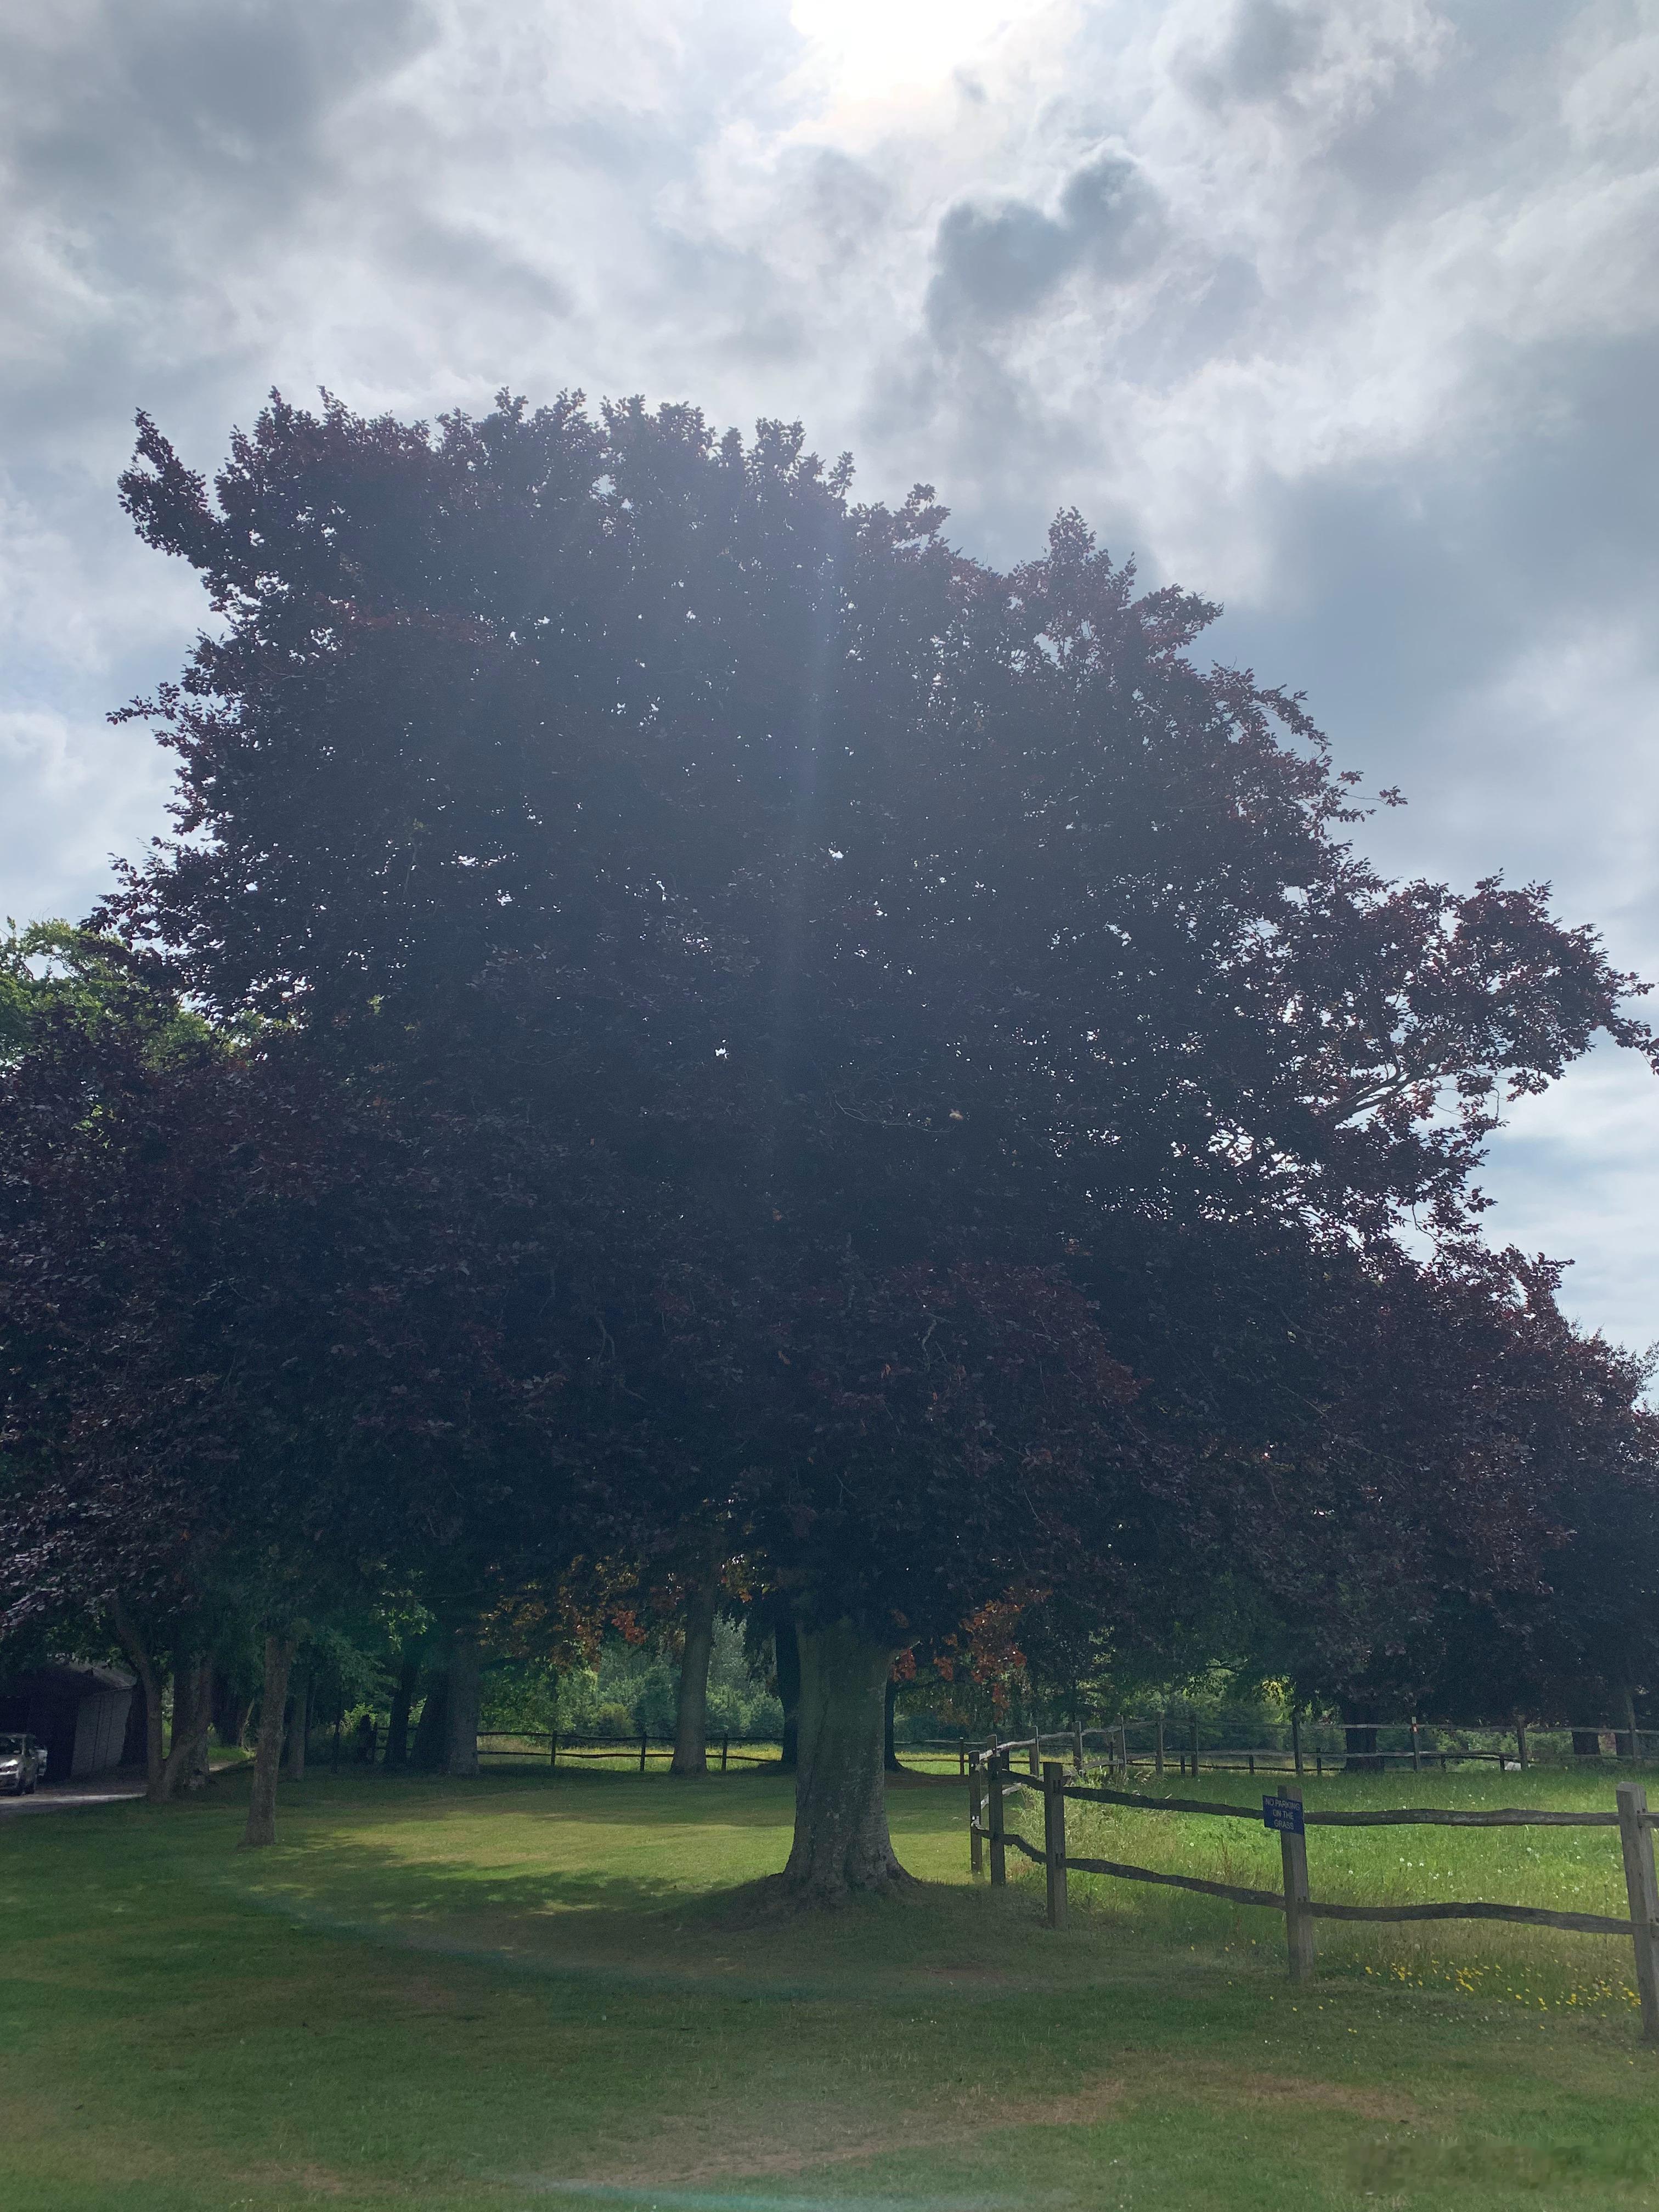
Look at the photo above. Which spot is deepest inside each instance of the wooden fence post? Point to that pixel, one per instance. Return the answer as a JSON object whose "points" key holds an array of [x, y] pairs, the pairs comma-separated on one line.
{"points": [[1077, 1745], [644, 1744], [975, 1819], [1520, 1743], [1194, 1748], [961, 1752], [1296, 1741], [1037, 1752], [1123, 1746], [553, 1748], [1417, 1751], [1298, 1923], [999, 1856], [1157, 1754], [1053, 1838], [1635, 1841]]}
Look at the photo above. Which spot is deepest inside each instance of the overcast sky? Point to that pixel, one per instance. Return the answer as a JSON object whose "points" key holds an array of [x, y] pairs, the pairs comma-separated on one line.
{"points": [[1342, 311]]}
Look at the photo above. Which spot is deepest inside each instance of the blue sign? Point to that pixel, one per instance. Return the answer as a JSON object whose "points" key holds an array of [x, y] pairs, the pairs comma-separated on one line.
{"points": [[1283, 1815]]}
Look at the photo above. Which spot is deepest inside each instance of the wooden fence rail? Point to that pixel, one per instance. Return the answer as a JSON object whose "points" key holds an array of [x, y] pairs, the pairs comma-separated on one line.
{"points": [[577, 1743], [1285, 1813]]}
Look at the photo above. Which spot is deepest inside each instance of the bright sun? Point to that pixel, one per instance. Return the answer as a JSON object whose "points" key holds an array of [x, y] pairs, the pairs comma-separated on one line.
{"points": [[875, 50]]}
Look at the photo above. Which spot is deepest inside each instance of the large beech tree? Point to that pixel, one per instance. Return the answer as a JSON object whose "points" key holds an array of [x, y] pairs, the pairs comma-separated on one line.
{"points": [[881, 947]]}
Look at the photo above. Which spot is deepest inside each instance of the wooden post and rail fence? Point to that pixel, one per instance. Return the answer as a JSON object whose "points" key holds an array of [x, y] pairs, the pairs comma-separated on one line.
{"points": [[1511, 1747], [1284, 1814], [723, 1751], [1116, 1754]]}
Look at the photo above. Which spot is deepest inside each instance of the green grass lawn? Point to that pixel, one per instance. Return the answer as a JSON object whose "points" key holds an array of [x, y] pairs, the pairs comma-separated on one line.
{"points": [[533, 1991]]}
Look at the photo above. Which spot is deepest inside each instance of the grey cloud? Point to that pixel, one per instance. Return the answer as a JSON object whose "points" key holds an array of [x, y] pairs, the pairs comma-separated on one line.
{"points": [[466, 256], [231, 93], [1249, 54], [992, 264], [844, 200], [1266, 44]]}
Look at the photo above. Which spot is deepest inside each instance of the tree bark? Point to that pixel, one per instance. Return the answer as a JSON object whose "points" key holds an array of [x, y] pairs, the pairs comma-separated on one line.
{"points": [[1359, 1726], [231, 1711], [135, 1738], [298, 1725], [193, 1716], [890, 1759], [786, 1645], [841, 1847], [432, 1729], [198, 1767], [691, 1707], [466, 1685], [396, 1734], [149, 1688], [268, 1752]]}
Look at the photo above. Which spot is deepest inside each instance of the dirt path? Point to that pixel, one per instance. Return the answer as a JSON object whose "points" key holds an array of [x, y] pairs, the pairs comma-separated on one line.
{"points": [[56, 1797]]}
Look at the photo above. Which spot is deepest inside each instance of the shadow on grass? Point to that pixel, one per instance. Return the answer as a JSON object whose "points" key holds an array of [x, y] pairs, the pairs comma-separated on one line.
{"points": [[451, 1875]]}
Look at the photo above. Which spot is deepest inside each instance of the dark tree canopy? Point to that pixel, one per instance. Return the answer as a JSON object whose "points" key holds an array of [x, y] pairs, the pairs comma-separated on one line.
{"points": [[789, 810]]}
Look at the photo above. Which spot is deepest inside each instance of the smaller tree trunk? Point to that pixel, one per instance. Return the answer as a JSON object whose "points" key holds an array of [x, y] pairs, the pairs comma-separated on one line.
{"points": [[432, 1729], [268, 1752], [465, 1690], [889, 1759], [149, 1686], [1359, 1735], [403, 1696], [192, 1716], [691, 1707], [134, 1740], [841, 1847], [299, 1723], [787, 1651]]}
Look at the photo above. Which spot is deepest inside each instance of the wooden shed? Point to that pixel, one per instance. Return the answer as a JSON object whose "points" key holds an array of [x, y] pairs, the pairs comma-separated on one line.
{"points": [[77, 1709]]}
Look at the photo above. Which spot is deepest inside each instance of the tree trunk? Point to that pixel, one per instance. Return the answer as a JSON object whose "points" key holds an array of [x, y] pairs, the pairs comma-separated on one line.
{"points": [[268, 1752], [298, 1725], [1359, 1734], [842, 1848], [785, 1645], [396, 1734], [193, 1716], [691, 1708], [889, 1761], [231, 1711], [198, 1767], [149, 1688], [466, 1684], [432, 1729], [135, 1739]]}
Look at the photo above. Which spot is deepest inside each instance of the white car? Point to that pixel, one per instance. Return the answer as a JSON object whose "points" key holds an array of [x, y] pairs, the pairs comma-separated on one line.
{"points": [[21, 1762]]}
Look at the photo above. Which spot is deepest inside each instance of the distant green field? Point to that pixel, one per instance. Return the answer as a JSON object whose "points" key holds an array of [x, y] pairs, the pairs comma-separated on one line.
{"points": [[534, 1989]]}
